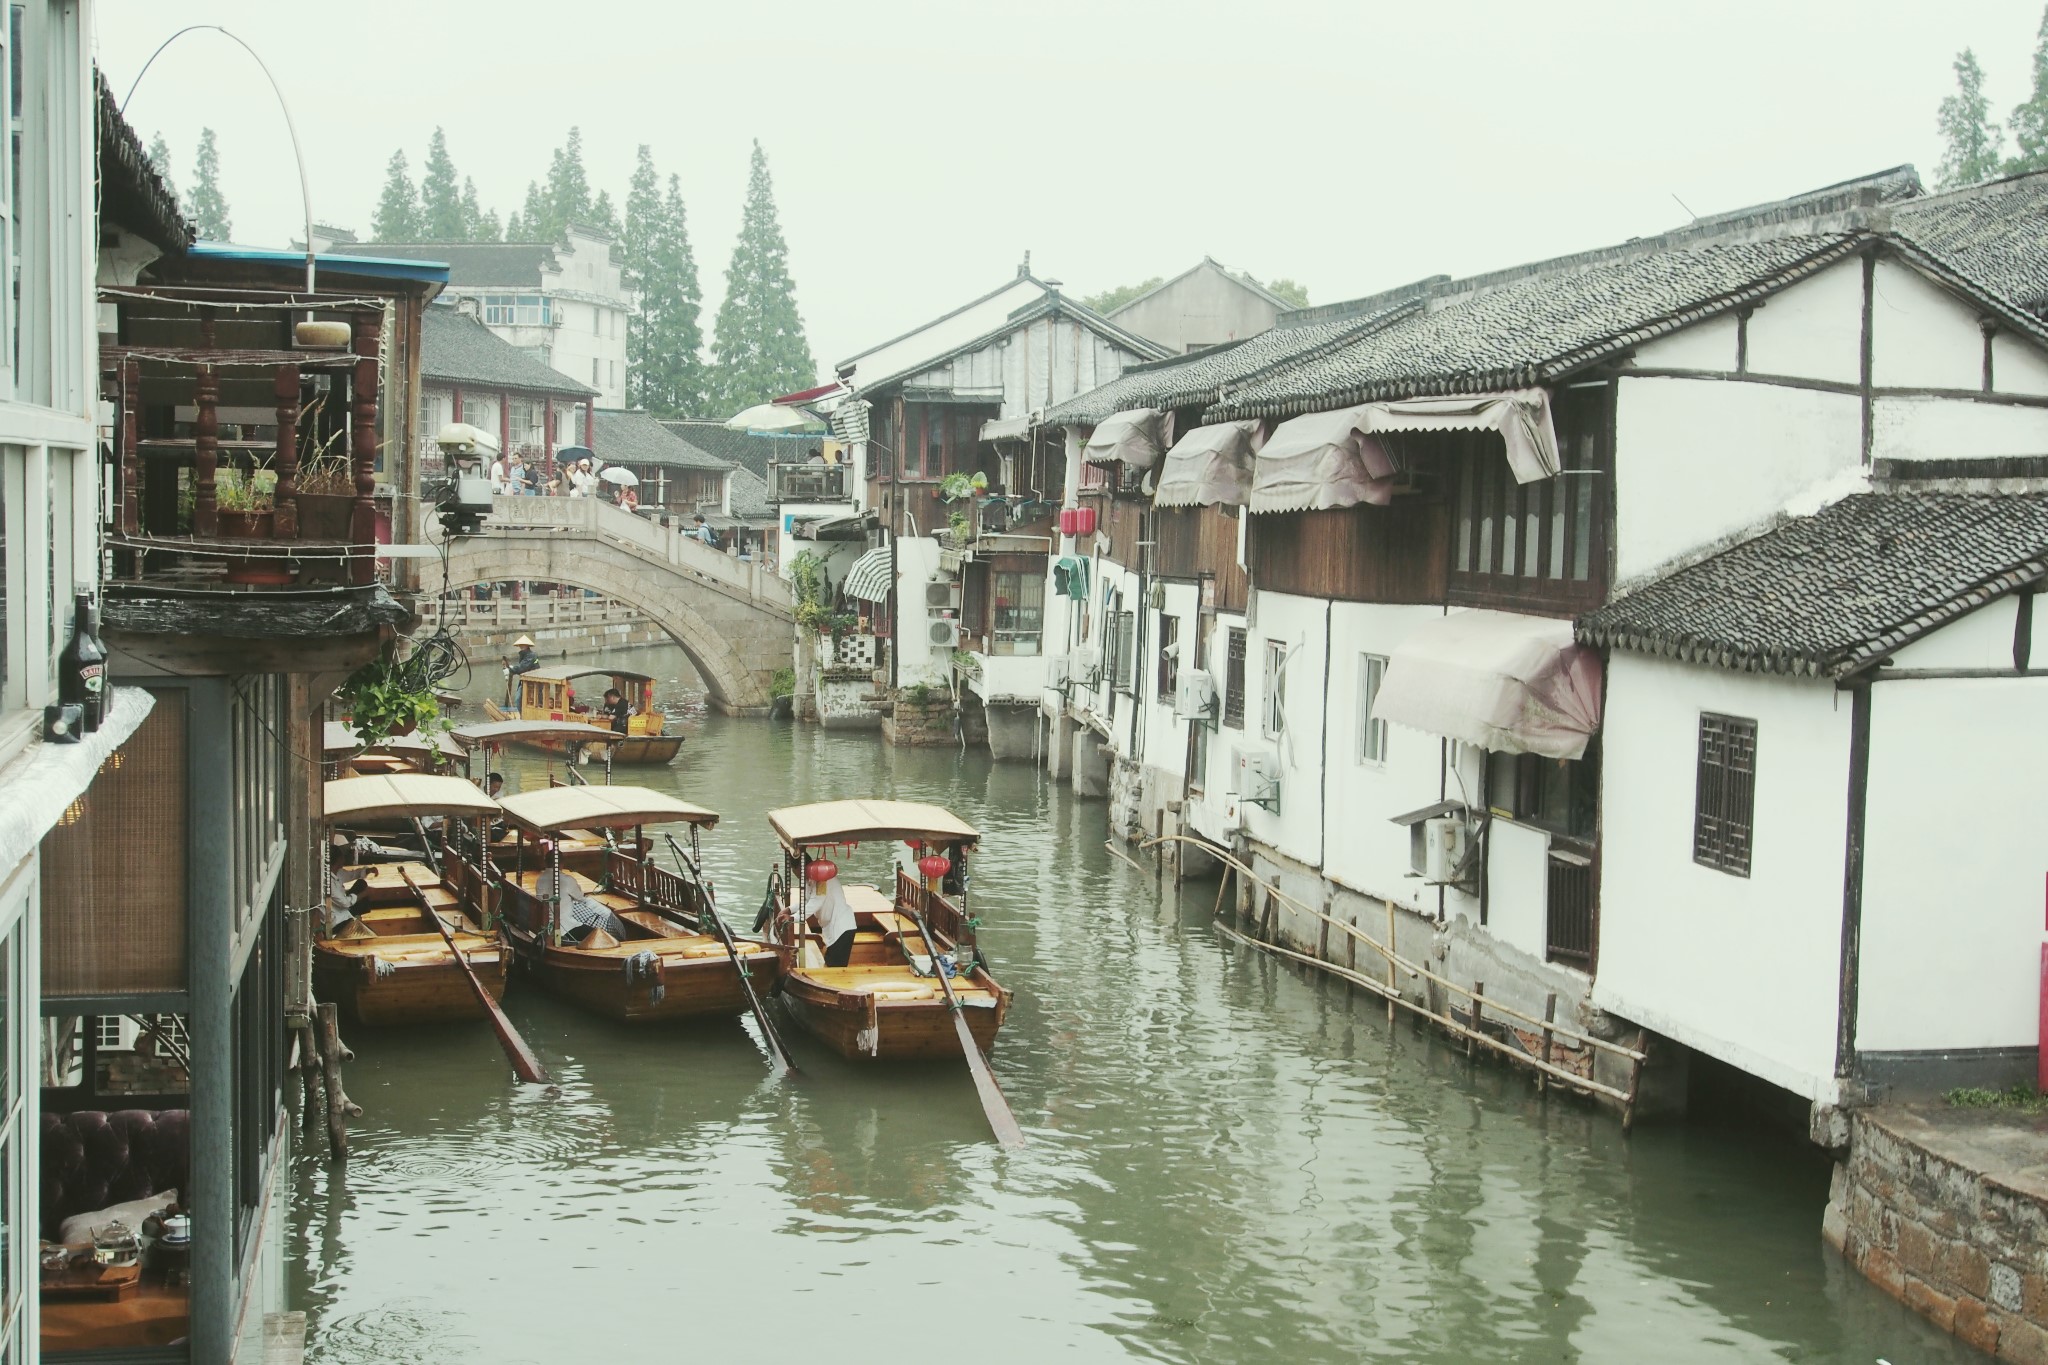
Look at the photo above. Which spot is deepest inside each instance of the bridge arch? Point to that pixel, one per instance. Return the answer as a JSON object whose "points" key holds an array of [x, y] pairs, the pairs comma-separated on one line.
{"points": [[736, 647]]}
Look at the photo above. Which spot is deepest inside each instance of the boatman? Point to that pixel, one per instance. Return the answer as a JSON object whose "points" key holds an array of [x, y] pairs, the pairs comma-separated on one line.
{"points": [[578, 914], [616, 708], [526, 662], [341, 892], [835, 921]]}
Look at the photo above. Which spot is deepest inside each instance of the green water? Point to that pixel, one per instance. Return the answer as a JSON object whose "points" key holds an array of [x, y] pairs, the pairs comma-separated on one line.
{"points": [[1228, 1162]]}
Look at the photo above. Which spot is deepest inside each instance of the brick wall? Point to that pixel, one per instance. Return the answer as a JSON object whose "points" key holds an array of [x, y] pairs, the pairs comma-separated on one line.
{"points": [[920, 724]]}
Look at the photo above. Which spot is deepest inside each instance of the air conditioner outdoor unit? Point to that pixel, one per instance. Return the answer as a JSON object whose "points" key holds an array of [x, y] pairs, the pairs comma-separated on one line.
{"points": [[1194, 694], [1256, 777], [1086, 666], [944, 634], [1056, 671], [1436, 848], [941, 594]]}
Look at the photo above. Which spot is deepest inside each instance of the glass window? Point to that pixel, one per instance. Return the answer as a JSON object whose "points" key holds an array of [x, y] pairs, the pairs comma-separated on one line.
{"points": [[1233, 680], [1169, 657], [1276, 688], [1372, 731], [1724, 811], [1016, 612]]}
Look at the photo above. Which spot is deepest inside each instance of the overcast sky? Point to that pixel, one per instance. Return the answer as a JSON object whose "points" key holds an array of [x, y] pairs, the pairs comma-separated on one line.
{"points": [[920, 149]]}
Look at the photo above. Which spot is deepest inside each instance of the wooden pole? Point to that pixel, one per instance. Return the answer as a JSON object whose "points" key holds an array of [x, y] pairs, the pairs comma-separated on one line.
{"points": [[1393, 983], [1635, 1082], [131, 455], [205, 452], [309, 1076], [285, 504], [1478, 998], [1549, 1018], [362, 446], [338, 1105]]}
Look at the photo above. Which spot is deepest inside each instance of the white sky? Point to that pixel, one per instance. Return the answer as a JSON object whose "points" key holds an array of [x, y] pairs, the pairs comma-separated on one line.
{"points": [[920, 147]]}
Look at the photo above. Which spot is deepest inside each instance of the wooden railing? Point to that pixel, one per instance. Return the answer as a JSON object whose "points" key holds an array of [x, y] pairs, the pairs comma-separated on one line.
{"points": [[658, 887]]}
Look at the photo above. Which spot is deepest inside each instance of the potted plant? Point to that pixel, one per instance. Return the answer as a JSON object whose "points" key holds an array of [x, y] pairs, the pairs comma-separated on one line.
{"points": [[243, 503], [327, 488], [389, 697]]}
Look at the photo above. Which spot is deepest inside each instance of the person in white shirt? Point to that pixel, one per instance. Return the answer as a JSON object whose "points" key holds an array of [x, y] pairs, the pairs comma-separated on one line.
{"points": [[498, 475], [836, 924]]}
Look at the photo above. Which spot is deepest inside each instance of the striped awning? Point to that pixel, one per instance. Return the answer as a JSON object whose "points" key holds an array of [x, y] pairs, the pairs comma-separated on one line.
{"points": [[869, 578]]}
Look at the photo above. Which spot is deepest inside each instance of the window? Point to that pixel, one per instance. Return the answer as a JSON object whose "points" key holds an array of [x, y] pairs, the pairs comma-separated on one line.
{"points": [[1017, 611], [1233, 681], [1560, 795], [1725, 794], [1126, 652], [1276, 688], [517, 310], [108, 1031], [1169, 662], [1372, 731], [597, 322], [1546, 530]]}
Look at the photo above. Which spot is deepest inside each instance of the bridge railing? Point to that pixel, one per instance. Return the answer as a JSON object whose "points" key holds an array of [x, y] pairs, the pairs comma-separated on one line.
{"points": [[526, 613], [642, 538]]}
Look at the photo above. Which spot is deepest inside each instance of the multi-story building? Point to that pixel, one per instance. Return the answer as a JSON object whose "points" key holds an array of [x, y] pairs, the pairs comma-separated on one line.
{"points": [[564, 302]]}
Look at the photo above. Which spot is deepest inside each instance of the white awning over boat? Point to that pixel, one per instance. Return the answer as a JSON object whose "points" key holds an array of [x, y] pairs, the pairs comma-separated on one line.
{"points": [[1506, 683], [403, 794], [870, 578], [498, 731], [1136, 437], [561, 808], [338, 739], [1210, 465], [853, 822]]}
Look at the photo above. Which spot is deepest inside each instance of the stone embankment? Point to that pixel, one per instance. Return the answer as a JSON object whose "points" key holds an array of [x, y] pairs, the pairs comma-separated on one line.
{"points": [[1946, 1210], [559, 626]]}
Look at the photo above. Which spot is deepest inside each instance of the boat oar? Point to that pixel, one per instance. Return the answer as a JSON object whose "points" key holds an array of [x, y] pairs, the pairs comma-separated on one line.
{"points": [[524, 1064], [723, 933], [1007, 1130]]}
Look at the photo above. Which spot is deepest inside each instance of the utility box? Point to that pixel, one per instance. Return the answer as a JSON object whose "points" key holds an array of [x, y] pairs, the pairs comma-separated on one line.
{"points": [[1194, 695]]}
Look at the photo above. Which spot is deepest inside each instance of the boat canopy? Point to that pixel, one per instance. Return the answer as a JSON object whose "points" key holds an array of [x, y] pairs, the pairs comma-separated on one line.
{"points": [[565, 672], [853, 822], [339, 739], [369, 798], [560, 808], [497, 731]]}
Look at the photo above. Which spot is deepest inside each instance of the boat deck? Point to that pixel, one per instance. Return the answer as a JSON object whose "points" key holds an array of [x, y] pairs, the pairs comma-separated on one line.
{"points": [[880, 965], [677, 940]]}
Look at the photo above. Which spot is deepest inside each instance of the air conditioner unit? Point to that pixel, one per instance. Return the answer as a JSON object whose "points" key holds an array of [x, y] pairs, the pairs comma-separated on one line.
{"points": [[1256, 777], [1436, 848], [1056, 671], [944, 634], [1085, 666], [941, 594], [1194, 694]]}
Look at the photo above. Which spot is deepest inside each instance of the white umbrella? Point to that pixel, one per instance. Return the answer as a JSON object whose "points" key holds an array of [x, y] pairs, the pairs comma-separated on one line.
{"points": [[770, 417], [619, 474]]}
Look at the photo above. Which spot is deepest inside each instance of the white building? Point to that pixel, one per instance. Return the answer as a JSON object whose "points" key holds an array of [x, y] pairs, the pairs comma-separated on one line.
{"points": [[1205, 305], [563, 302]]}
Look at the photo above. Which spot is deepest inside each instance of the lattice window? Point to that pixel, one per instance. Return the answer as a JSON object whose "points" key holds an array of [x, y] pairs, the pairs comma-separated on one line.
{"points": [[1725, 808], [1233, 682]]}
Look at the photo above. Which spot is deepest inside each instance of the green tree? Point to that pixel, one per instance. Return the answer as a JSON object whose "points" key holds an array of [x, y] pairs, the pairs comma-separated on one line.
{"points": [[206, 208], [397, 216], [441, 218], [758, 339], [160, 157], [1970, 136], [1296, 294], [1109, 300], [478, 224], [665, 335], [526, 222], [604, 215], [2029, 122], [566, 197]]}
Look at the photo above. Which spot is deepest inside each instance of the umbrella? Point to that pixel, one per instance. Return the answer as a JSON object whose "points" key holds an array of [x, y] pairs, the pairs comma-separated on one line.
{"points": [[770, 417], [620, 474]]}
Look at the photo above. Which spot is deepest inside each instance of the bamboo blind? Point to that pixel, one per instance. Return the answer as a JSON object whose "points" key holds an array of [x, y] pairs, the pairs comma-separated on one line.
{"points": [[114, 885]]}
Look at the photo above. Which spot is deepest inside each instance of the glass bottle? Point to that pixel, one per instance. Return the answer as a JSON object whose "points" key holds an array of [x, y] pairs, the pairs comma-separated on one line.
{"points": [[82, 667]]}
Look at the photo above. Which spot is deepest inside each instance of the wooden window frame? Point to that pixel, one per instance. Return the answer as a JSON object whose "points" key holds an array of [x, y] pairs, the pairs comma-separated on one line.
{"points": [[1547, 540], [1724, 794], [1372, 731], [1236, 644], [1273, 699], [1169, 666]]}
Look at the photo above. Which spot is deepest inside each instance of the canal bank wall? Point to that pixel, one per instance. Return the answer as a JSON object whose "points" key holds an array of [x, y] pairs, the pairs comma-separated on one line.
{"points": [[559, 626], [1946, 1210]]}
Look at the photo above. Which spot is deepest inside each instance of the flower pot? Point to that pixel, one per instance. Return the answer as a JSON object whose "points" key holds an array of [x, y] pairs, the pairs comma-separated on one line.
{"points": [[244, 525], [326, 516]]}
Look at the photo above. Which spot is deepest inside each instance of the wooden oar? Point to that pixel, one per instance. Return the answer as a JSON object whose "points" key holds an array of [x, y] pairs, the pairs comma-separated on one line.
{"points": [[723, 933], [1007, 1130], [524, 1064]]}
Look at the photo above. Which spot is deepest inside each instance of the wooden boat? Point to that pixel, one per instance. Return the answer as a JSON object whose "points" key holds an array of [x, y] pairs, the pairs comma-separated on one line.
{"points": [[547, 694], [389, 964], [885, 1004], [660, 966], [582, 851], [344, 754]]}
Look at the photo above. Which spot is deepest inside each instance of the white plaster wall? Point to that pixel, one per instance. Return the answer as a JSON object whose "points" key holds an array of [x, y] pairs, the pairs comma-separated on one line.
{"points": [[1698, 460], [1982, 639], [1202, 309], [1010, 677], [917, 563], [1921, 336], [1518, 885], [1745, 969], [1955, 429], [1814, 330], [1708, 346], [1166, 735], [1094, 703], [1299, 622], [1213, 814], [1953, 870], [2018, 366]]}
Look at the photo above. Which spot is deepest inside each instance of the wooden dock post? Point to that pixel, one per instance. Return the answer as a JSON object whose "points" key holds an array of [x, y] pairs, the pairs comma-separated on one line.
{"points": [[1478, 995], [1393, 982], [1549, 1018], [339, 1108]]}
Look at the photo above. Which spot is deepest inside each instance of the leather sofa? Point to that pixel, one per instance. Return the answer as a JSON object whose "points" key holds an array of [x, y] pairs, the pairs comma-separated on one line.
{"points": [[93, 1159]]}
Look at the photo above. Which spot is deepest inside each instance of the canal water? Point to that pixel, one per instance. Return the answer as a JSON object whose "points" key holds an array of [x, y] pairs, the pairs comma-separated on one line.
{"points": [[1228, 1162]]}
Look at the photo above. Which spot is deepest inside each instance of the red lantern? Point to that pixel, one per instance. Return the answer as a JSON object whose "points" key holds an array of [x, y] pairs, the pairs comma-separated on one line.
{"points": [[1084, 521], [1066, 521], [934, 866], [822, 871]]}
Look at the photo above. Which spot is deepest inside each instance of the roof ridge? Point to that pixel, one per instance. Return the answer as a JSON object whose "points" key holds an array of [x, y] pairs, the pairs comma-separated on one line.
{"points": [[930, 323]]}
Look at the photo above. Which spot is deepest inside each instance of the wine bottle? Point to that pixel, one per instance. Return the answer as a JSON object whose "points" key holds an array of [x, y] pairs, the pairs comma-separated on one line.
{"points": [[82, 668]]}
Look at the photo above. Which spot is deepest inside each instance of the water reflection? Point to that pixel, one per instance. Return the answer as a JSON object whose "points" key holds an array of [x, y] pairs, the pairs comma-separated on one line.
{"points": [[1229, 1162]]}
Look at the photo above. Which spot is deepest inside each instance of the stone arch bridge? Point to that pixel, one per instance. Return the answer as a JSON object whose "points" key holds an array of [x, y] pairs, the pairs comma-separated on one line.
{"points": [[732, 619]]}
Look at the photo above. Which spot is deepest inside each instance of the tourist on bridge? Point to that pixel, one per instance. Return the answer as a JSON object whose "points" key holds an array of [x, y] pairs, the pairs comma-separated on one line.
{"points": [[701, 530]]}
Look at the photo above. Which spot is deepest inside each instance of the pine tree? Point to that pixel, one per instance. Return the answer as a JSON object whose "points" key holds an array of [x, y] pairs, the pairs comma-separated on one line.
{"points": [[206, 208], [1970, 137], [530, 222], [477, 225], [2029, 122], [604, 215], [758, 339], [441, 217], [160, 157], [566, 198], [397, 218], [665, 336]]}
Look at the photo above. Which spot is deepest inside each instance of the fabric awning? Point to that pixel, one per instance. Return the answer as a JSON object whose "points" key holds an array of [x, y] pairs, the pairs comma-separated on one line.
{"points": [[1136, 437], [869, 579], [1006, 428], [1506, 683], [1320, 460], [1522, 417], [1210, 465]]}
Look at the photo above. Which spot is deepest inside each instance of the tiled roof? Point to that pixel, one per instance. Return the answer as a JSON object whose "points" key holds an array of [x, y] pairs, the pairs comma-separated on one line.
{"points": [[457, 349], [133, 194], [515, 265], [1204, 376], [747, 449], [1830, 594], [1995, 233], [1536, 326], [750, 496], [622, 436]]}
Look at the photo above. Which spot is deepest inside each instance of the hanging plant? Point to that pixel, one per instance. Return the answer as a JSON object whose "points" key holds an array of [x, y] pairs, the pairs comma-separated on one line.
{"points": [[388, 697], [954, 487]]}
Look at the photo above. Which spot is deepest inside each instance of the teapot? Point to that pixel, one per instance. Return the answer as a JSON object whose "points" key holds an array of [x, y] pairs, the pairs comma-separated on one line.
{"points": [[116, 1244]]}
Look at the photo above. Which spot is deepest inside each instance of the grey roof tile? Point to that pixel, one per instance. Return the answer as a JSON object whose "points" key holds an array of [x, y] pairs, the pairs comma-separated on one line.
{"points": [[750, 450], [457, 349], [514, 265], [1829, 594], [623, 436], [1995, 233]]}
